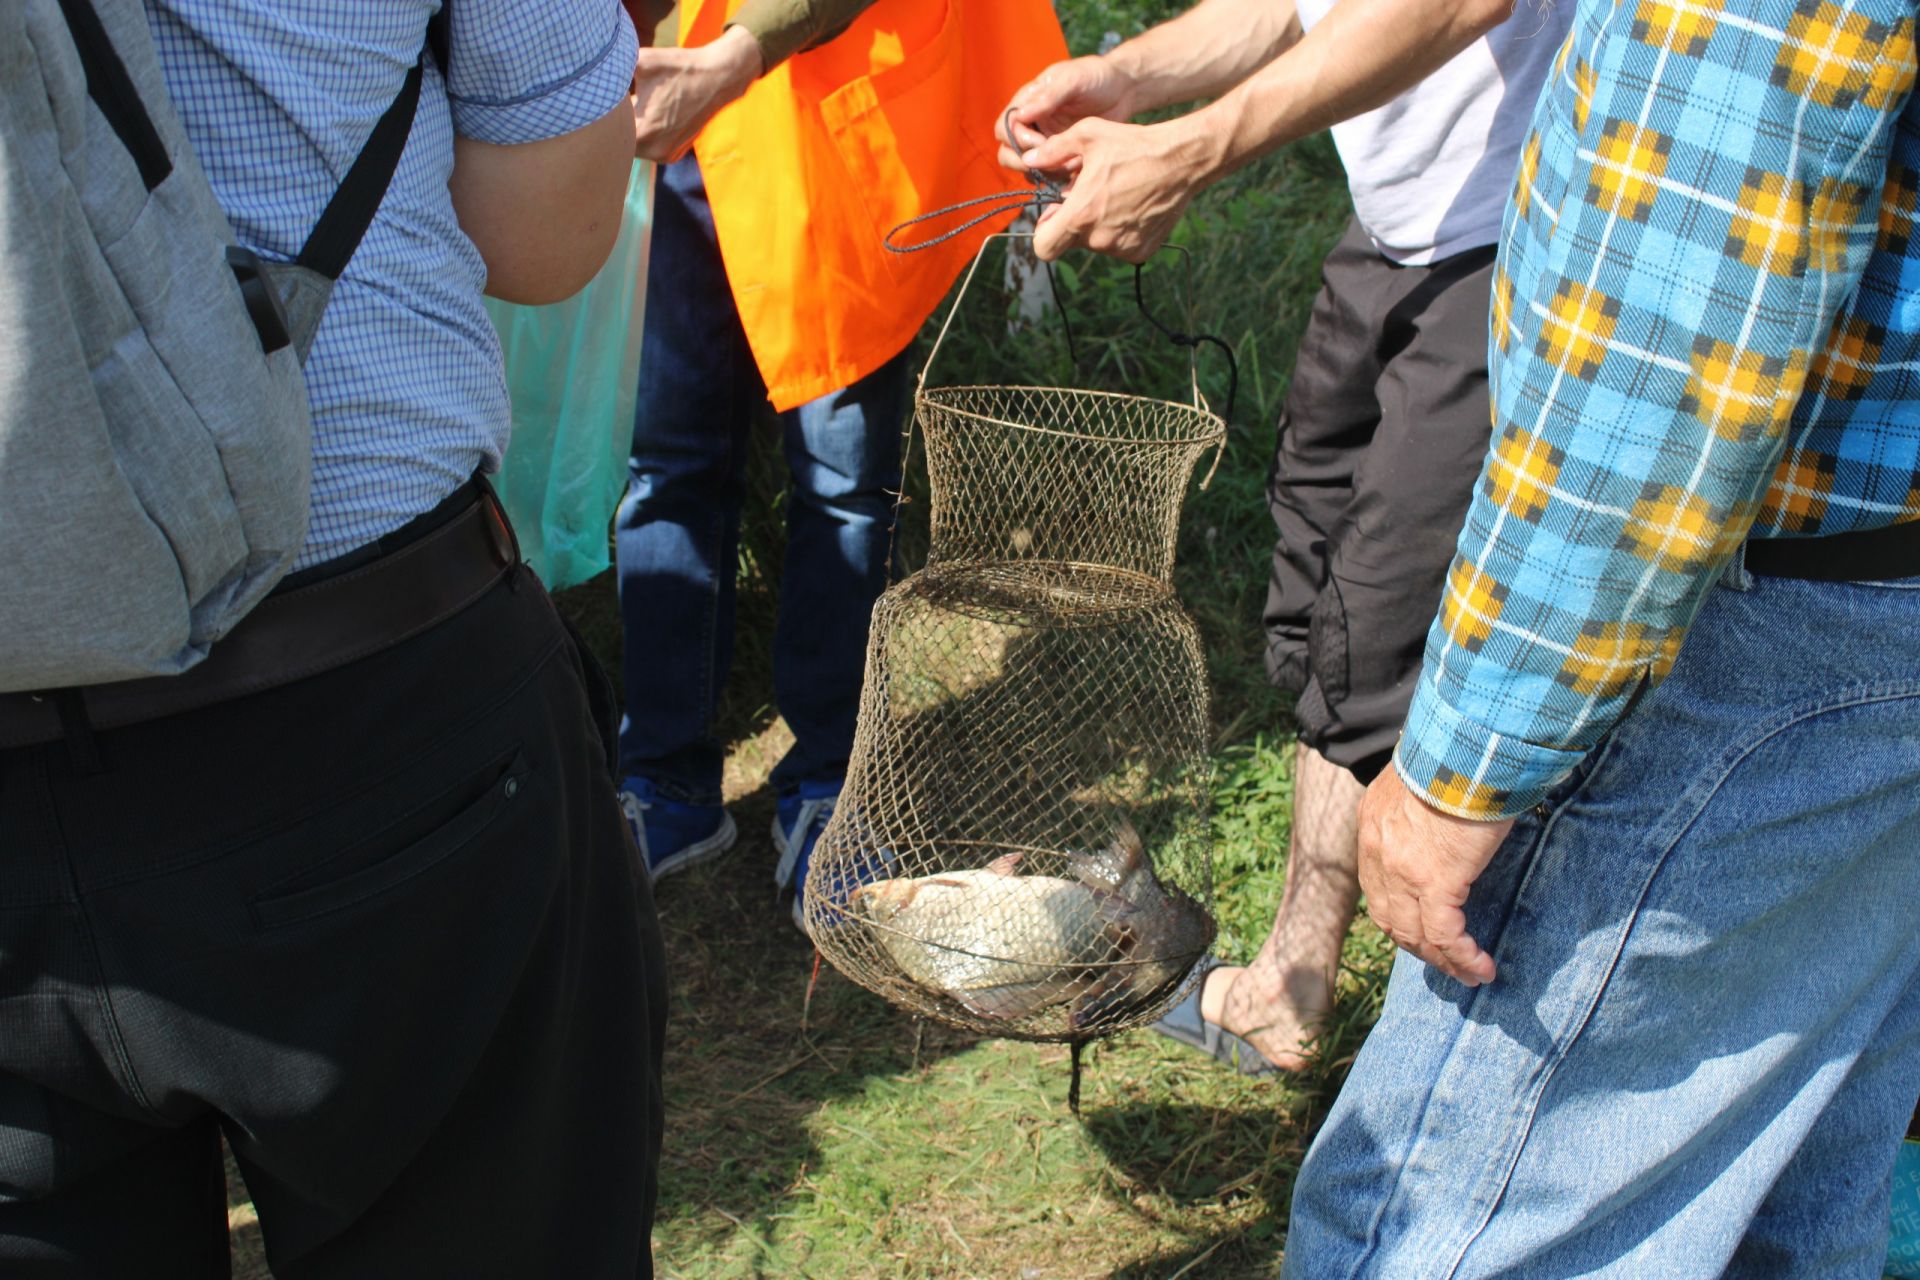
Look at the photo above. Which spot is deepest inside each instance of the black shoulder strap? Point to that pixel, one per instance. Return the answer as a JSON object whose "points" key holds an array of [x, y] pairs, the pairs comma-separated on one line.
{"points": [[348, 215], [112, 90]]}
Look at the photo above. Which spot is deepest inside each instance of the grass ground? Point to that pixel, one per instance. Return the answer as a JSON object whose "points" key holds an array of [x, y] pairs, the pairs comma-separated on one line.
{"points": [[827, 1135]]}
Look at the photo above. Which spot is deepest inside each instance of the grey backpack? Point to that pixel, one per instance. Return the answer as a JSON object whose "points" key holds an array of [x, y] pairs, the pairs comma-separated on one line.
{"points": [[154, 443]]}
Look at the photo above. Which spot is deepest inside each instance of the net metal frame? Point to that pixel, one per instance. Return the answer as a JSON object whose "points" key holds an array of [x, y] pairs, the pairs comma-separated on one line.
{"points": [[1034, 696]]}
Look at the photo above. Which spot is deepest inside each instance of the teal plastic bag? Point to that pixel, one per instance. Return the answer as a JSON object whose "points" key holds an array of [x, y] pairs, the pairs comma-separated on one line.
{"points": [[573, 372], [1903, 1242]]}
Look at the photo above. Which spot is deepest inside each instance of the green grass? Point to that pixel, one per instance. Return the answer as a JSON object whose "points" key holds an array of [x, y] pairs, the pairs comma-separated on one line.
{"points": [[815, 1131]]}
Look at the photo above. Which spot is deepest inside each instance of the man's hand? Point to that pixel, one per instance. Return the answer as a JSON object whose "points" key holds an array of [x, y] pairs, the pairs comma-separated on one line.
{"points": [[1416, 866], [676, 91], [1130, 185], [1060, 97]]}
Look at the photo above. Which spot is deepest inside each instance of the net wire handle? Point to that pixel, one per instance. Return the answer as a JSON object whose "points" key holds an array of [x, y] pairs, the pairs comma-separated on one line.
{"points": [[1199, 401], [1193, 352]]}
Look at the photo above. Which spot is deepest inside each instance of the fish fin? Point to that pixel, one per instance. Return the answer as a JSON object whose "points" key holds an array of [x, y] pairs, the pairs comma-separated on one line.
{"points": [[1127, 843], [1104, 995], [1004, 864], [1111, 903]]}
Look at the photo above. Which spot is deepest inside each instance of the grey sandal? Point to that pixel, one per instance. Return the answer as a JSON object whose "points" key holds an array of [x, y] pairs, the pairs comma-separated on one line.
{"points": [[1183, 1023]]}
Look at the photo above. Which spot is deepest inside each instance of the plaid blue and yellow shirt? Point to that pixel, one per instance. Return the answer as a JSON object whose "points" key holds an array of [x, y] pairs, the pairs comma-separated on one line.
{"points": [[1706, 326]]}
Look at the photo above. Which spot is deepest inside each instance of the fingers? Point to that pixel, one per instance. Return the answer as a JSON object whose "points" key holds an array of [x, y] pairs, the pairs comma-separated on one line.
{"points": [[1052, 90], [1057, 231], [1059, 154], [1024, 138], [1445, 943]]}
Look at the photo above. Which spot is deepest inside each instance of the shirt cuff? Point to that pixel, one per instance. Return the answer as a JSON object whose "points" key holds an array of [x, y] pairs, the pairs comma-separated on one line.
{"points": [[1470, 771], [559, 106]]}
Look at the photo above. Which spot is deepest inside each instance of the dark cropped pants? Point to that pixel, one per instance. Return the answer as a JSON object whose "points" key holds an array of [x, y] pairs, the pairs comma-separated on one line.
{"points": [[1381, 438]]}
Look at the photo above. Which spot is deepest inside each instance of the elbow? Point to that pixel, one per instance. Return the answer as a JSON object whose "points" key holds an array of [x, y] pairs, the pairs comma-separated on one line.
{"points": [[538, 274], [545, 215]]}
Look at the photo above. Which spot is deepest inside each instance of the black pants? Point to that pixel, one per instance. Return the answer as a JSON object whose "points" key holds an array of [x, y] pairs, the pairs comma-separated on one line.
{"points": [[384, 928], [1382, 436]]}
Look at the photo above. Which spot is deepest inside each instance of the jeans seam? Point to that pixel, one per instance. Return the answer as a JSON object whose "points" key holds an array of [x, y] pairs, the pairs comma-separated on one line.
{"points": [[1886, 692], [1532, 1108]]}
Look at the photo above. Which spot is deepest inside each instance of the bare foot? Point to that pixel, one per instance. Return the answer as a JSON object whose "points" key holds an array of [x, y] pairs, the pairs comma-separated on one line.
{"points": [[1277, 1012]]}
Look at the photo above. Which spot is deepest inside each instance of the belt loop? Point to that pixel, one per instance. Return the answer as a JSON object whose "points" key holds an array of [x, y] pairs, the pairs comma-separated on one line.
{"points": [[1736, 576], [83, 747]]}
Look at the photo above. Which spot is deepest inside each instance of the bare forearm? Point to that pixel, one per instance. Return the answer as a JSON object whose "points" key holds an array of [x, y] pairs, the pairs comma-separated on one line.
{"points": [[1363, 54], [1205, 51]]}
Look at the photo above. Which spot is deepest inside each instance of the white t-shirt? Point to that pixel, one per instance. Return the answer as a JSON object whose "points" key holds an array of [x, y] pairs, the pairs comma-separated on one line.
{"points": [[1431, 171]]}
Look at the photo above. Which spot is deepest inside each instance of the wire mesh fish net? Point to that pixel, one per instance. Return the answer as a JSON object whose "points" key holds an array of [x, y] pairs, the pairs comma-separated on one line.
{"points": [[1022, 844]]}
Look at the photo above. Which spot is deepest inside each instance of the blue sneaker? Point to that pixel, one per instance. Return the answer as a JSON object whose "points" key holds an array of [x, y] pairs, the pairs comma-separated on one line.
{"points": [[799, 818], [672, 834]]}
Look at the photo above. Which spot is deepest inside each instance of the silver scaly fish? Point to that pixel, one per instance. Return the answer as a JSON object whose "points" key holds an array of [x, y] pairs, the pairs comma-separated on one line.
{"points": [[1004, 945]]}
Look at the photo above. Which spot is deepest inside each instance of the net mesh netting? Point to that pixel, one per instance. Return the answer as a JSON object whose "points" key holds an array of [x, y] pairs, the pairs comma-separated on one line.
{"points": [[1022, 845]]}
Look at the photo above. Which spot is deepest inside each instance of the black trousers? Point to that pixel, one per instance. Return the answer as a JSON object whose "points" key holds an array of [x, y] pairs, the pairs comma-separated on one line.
{"points": [[1382, 436], [384, 928]]}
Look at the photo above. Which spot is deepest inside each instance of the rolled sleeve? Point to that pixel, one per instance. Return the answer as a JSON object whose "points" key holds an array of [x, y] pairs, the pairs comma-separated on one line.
{"points": [[525, 72], [783, 28], [1469, 770]]}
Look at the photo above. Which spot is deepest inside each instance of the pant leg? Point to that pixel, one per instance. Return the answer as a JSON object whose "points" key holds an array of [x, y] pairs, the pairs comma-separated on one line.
{"points": [[152, 1203], [676, 534], [1389, 551], [1708, 968], [388, 923], [843, 452], [1826, 1215], [1326, 424]]}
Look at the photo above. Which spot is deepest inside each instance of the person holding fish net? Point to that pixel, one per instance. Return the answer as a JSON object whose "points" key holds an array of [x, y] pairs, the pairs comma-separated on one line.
{"points": [[1385, 422]]}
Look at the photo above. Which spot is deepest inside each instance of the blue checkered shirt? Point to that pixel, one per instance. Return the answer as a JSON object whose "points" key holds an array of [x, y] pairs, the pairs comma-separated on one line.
{"points": [[1706, 324], [404, 378]]}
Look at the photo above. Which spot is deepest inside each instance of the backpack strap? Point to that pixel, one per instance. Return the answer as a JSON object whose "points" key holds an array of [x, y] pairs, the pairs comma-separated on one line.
{"points": [[344, 222]]}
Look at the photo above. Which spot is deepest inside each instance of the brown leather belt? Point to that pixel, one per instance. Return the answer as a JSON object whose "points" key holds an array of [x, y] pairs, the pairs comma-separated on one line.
{"points": [[297, 633]]}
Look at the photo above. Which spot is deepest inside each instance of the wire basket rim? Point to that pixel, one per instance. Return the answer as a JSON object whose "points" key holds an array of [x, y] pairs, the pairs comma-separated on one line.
{"points": [[1216, 435]]}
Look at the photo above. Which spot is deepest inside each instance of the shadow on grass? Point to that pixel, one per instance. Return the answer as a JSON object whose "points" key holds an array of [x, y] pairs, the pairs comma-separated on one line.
{"points": [[1231, 1255]]}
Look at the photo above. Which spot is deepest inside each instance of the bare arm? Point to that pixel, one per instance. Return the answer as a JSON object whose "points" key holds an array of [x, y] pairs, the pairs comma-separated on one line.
{"points": [[1362, 55], [1204, 52], [1132, 182], [544, 214]]}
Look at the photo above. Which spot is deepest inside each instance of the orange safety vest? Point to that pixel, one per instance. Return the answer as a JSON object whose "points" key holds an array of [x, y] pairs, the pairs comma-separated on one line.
{"points": [[812, 166]]}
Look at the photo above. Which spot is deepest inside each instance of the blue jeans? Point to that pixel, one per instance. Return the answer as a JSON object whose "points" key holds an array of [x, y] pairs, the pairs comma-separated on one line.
{"points": [[1704, 1043], [677, 532]]}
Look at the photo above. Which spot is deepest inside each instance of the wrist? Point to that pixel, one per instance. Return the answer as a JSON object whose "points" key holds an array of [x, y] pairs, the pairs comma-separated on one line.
{"points": [[1198, 148], [736, 57], [1124, 83]]}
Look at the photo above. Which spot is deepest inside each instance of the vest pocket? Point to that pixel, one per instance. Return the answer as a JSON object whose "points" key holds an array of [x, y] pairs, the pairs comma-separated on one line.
{"points": [[895, 131]]}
